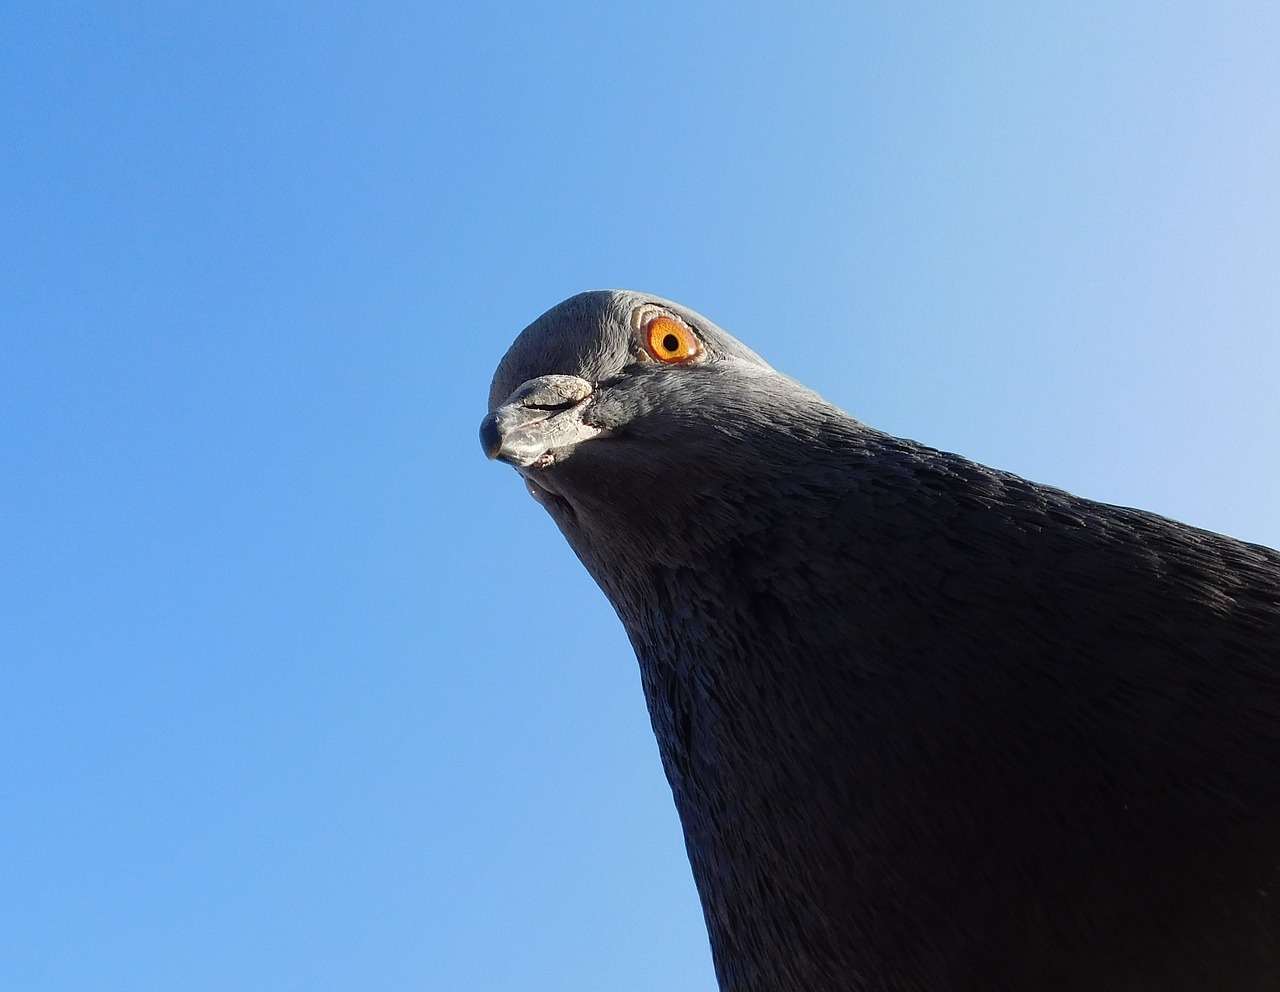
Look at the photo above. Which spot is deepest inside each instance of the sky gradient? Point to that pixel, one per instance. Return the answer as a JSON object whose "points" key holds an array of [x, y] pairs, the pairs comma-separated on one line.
{"points": [[297, 691]]}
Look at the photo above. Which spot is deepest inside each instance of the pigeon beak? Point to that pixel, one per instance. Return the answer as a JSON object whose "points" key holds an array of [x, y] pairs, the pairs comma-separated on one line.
{"points": [[540, 422]]}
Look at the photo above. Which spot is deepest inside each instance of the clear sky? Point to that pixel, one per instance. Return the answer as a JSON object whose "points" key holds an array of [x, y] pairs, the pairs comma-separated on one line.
{"points": [[297, 691]]}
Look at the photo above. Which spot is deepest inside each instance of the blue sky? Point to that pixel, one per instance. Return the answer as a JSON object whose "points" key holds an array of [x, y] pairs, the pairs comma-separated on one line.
{"points": [[299, 692]]}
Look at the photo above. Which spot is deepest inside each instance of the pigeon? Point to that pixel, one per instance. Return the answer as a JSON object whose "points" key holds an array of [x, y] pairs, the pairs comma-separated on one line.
{"points": [[928, 726]]}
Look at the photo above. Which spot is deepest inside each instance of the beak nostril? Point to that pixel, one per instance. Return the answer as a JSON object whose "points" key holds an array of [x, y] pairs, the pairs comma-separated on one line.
{"points": [[540, 422], [565, 405]]}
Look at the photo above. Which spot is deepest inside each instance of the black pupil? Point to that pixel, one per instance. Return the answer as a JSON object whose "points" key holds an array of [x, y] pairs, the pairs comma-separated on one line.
{"points": [[671, 343]]}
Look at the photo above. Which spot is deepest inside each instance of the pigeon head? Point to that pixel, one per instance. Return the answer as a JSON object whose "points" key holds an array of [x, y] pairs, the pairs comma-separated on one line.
{"points": [[633, 418]]}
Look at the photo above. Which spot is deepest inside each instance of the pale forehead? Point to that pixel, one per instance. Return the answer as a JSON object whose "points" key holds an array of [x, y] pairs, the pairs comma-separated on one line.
{"points": [[591, 335], [584, 335]]}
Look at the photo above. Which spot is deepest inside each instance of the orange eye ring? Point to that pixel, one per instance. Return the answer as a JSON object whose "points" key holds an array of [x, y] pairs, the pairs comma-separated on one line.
{"points": [[670, 341]]}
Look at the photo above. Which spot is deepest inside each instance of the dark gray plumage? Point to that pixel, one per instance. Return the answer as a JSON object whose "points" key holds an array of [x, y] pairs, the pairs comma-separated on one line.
{"points": [[928, 726]]}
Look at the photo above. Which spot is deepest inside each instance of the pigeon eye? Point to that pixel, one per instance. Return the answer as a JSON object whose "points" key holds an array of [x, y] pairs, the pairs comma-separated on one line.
{"points": [[670, 341]]}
